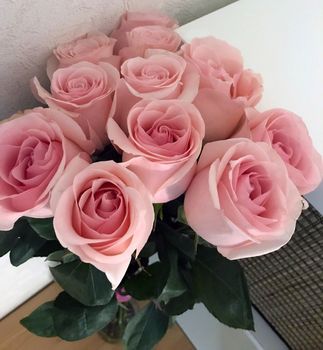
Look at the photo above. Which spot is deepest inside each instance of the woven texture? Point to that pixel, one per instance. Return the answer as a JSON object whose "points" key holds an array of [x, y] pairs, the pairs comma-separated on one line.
{"points": [[287, 286]]}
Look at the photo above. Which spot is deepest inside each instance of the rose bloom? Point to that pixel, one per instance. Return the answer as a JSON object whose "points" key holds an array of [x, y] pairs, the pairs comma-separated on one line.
{"points": [[92, 47], [163, 138], [287, 134], [36, 148], [241, 199], [150, 37], [225, 88], [131, 20], [84, 91], [161, 75], [104, 217]]}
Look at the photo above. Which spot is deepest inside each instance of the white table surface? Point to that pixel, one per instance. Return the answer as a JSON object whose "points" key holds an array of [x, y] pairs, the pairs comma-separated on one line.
{"points": [[283, 41]]}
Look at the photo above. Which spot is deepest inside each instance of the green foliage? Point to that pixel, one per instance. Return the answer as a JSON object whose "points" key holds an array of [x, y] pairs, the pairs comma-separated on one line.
{"points": [[220, 284], [29, 237], [146, 328], [41, 321], [181, 215], [178, 239], [26, 246], [62, 256], [175, 284], [74, 321], [189, 270], [148, 283], [43, 227], [69, 319], [180, 304], [83, 282], [8, 238], [149, 249]]}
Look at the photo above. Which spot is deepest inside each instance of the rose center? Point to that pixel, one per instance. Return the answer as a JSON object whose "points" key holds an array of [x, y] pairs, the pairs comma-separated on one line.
{"points": [[162, 135], [31, 158], [77, 86], [154, 72], [109, 201]]}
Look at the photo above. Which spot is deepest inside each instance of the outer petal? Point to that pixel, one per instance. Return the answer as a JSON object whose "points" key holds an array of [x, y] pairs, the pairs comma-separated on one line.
{"points": [[274, 241], [76, 165], [221, 114], [8, 217], [164, 181]]}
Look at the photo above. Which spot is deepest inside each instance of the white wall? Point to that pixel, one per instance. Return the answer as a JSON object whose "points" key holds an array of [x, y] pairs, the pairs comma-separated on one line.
{"points": [[29, 29]]}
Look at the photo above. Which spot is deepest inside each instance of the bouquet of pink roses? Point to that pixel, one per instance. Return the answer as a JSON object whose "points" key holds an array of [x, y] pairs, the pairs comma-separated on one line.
{"points": [[147, 175]]}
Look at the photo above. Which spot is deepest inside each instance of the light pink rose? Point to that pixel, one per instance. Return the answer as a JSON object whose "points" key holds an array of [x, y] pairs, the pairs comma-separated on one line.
{"points": [[36, 147], [84, 91], [150, 37], [131, 20], [287, 134], [161, 76], [104, 217], [163, 138], [241, 199], [92, 47], [225, 88]]}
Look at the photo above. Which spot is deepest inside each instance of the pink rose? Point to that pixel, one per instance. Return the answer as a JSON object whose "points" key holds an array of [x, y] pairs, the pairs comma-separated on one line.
{"points": [[84, 91], [131, 20], [104, 217], [163, 138], [92, 47], [225, 88], [150, 37], [36, 148], [161, 76], [241, 199], [287, 134]]}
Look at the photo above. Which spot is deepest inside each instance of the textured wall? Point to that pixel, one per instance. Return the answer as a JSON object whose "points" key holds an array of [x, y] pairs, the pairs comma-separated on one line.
{"points": [[29, 29]]}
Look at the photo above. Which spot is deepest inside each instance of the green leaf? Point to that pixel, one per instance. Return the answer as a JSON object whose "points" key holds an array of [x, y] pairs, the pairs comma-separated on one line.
{"points": [[147, 284], [180, 240], [181, 215], [74, 321], [148, 250], [43, 227], [146, 328], [83, 282], [180, 304], [170, 209], [26, 246], [7, 241], [158, 209], [48, 248], [220, 284], [63, 256], [40, 321], [175, 285], [9, 238]]}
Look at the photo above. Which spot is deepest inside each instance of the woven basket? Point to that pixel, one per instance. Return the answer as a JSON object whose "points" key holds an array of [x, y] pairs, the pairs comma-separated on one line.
{"points": [[287, 286]]}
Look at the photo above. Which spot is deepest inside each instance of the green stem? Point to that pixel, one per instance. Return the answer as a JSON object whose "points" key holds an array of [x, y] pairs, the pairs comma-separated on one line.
{"points": [[196, 242]]}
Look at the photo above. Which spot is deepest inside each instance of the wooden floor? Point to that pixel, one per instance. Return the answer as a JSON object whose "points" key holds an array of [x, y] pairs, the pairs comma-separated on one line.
{"points": [[15, 337]]}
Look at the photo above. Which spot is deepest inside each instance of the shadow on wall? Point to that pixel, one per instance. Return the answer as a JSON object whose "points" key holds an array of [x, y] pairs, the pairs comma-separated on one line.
{"points": [[31, 28]]}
